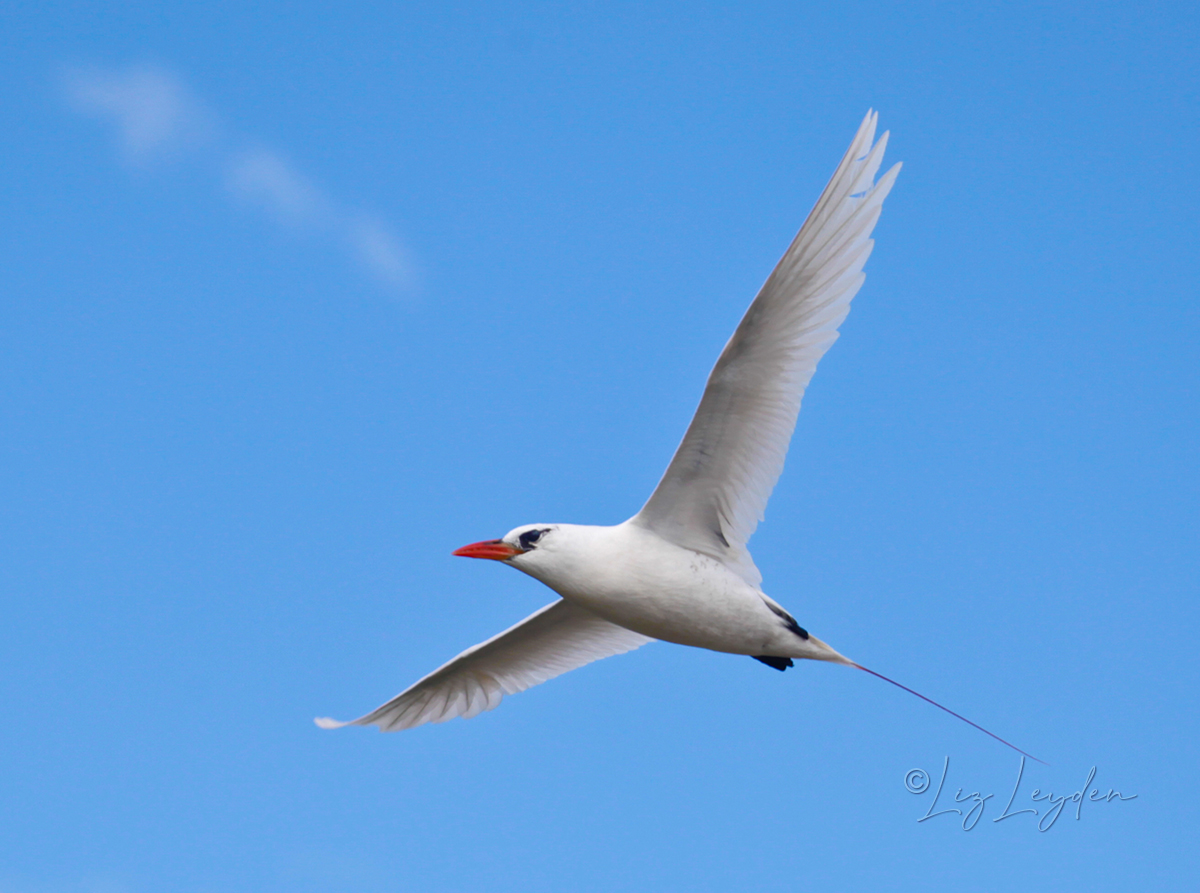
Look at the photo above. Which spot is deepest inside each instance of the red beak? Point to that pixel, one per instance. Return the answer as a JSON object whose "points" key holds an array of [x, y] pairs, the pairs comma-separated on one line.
{"points": [[497, 550]]}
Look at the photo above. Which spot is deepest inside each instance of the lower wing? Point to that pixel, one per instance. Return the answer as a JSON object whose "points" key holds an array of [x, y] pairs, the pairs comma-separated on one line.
{"points": [[558, 638]]}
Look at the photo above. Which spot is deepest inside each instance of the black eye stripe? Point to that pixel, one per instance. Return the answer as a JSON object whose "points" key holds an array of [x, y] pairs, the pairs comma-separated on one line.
{"points": [[529, 538]]}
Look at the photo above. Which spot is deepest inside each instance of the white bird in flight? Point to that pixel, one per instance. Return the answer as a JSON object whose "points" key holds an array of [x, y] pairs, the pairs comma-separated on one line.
{"points": [[679, 569]]}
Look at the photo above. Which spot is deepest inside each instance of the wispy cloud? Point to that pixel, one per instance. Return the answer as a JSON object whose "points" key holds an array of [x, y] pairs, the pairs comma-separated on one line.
{"points": [[380, 251], [283, 193], [156, 117]]}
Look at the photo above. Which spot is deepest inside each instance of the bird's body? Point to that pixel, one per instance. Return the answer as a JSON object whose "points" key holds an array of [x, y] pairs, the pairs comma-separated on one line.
{"points": [[679, 569], [632, 577]]}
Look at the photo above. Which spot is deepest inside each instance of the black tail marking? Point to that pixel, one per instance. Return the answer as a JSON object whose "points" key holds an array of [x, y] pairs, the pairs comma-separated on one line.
{"points": [[778, 663], [788, 620]]}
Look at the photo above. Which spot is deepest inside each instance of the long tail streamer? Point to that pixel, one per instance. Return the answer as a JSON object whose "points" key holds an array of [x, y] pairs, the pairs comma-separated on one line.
{"points": [[951, 712]]}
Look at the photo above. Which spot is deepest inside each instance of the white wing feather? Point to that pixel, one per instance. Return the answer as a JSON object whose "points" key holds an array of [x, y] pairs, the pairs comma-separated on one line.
{"points": [[558, 638], [715, 490]]}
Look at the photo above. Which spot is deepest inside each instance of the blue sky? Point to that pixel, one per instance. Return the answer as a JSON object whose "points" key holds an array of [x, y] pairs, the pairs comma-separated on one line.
{"points": [[299, 300]]}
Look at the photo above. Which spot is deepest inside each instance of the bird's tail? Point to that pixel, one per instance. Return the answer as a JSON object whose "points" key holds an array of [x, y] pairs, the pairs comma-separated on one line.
{"points": [[821, 651], [939, 706]]}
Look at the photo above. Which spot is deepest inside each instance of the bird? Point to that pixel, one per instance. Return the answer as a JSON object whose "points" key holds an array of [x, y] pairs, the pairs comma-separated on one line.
{"points": [[679, 570]]}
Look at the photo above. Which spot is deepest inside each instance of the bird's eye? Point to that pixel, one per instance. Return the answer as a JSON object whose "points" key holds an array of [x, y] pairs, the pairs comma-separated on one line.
{"points": [[529, 538]]}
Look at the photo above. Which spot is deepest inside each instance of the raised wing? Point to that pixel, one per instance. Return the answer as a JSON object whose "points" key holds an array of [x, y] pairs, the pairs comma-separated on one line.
{"points": [[715, 490], [560, 637]]}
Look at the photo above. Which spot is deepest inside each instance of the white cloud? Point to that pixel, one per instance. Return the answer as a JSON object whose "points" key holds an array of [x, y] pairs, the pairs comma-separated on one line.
{"points": [[381, 252], [152, 111], [265, 179], [156, 116]]}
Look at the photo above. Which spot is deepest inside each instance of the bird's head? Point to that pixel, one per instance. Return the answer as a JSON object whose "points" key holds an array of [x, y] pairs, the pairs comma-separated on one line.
{"points": [[525, 547]]}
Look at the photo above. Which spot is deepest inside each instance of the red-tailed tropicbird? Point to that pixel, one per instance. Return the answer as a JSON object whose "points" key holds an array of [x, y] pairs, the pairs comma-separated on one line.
{"points": [[679, 569]]}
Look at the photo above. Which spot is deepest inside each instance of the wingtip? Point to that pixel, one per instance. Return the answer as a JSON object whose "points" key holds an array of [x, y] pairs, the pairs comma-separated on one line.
{"points": [[326, 722]]}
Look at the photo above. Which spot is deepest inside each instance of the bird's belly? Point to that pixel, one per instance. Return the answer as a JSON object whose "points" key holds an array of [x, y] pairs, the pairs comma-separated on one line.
{"points": [[700, 603]]}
